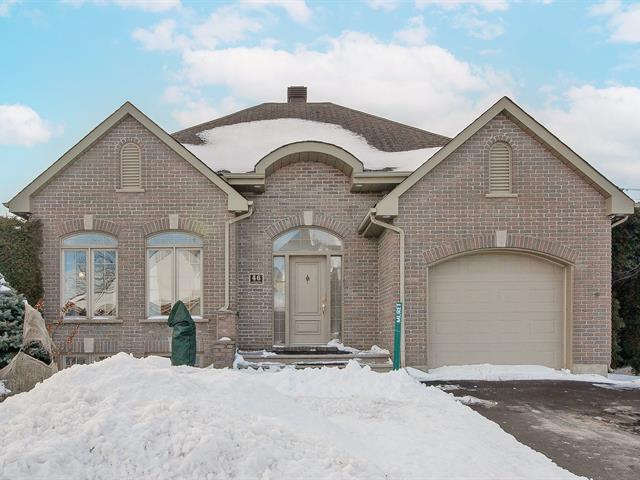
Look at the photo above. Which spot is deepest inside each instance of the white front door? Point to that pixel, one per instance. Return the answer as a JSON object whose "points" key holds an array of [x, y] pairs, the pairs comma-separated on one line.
{"points": [[308, 302]]}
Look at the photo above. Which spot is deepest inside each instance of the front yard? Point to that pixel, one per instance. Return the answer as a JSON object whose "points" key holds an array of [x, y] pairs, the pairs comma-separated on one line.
{"points": [[141, 418]]}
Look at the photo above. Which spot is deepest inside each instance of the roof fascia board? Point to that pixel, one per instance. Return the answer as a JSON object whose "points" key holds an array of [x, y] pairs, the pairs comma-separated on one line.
{"points": [[617, 202], [22, 201]]}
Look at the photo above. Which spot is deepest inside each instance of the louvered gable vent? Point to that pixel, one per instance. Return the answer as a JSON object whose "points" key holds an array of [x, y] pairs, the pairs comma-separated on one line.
{"points": [[500, 168], [130, 168]]}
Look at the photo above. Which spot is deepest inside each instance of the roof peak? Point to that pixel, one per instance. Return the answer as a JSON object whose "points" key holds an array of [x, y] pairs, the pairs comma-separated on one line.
{"points": [[381, 133]]}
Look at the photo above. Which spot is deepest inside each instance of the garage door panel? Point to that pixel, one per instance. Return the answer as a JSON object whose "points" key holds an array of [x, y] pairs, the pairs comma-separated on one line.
{"points": [[496, 308], [497, 353]]}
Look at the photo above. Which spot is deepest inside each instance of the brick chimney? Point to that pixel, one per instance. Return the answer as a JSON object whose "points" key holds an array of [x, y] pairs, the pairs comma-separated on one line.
{"points": [[296, 94]]}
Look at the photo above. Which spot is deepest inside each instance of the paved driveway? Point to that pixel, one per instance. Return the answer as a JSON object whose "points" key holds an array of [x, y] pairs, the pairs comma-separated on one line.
{"points": [[590, 430]]}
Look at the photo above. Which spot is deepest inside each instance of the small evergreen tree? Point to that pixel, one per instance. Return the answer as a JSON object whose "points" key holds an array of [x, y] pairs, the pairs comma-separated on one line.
{"points": [[11, 320]]}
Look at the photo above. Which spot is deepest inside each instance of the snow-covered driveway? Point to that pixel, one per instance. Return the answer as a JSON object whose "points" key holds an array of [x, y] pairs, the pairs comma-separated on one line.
{"points": [[130, 418]]}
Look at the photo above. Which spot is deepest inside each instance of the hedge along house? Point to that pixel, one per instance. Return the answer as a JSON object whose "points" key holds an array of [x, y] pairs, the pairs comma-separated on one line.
{"points": [[287, 225]]}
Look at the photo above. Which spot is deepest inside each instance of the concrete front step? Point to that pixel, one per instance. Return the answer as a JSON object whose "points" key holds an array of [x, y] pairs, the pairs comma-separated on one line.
{"points": [[377, 361]]}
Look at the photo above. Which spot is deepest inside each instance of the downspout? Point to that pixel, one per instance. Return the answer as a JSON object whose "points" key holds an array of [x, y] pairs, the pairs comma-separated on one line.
{"points": [[400, 232], [622, 220], [227, 250]]}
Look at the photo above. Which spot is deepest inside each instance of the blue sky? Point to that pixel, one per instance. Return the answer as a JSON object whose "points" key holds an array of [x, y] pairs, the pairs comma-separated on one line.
{"points": [[435, 64]]}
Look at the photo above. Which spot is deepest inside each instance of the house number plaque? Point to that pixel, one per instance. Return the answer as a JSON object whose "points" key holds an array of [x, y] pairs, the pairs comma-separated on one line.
{"points": [[256, 278]]}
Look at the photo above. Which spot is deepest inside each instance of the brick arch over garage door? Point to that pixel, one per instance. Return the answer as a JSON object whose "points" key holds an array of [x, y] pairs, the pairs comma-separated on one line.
{"points": [[501, 305]]}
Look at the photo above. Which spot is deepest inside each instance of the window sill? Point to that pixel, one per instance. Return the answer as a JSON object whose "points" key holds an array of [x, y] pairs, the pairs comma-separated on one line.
{"points": [[129, 190], [164, 320], [91, 320], [501, 195]]}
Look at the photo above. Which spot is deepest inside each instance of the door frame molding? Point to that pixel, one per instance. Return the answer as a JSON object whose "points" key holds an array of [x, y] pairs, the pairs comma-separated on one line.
{"points": [[287, 288], [568, 268]]}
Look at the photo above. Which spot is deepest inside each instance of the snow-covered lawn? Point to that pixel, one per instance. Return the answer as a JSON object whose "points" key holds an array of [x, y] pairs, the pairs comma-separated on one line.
{"points": [[141, 418], [490, 372]]}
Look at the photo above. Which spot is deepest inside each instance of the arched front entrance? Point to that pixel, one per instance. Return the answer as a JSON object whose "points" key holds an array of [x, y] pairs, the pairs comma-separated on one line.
{"points": [[307, 287], [500, 307]]}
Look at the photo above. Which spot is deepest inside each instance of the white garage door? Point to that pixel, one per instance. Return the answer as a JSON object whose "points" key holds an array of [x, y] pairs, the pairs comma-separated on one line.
{"points": [[501, 308]]}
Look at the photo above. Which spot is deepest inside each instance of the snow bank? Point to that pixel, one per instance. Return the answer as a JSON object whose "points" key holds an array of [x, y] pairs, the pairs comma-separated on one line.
{"points": [[141, 418], [490, 372], [3, 390], [239, 147]]}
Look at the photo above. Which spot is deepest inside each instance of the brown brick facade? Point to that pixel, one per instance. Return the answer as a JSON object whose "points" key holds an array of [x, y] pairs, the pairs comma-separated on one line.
{"points": [[556, 212], [291, 190], [172, 186]]}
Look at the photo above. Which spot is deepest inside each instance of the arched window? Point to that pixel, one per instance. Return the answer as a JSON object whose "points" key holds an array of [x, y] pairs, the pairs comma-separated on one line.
{"points": [[89, 276], [130, 167], [309, 243], [174, 272], [500, 168], [307, 240]]}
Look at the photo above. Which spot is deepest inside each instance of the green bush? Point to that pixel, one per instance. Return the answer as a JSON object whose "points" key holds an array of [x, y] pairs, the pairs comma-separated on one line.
{"points": [[20, 245], [626, 293]]}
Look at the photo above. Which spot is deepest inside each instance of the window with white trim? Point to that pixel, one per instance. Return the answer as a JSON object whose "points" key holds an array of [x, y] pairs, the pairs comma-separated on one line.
{"points": [[500, 180], [130, 167], [174, 272], [89, 276]]}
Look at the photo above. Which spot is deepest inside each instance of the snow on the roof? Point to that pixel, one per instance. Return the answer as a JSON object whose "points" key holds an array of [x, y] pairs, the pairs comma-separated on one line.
{"points": [[141, 418], [239, 147]]}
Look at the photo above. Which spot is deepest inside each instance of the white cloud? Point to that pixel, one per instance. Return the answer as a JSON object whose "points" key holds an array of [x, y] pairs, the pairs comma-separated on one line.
{"points": [[623, 20], [298, 10], [5, 7], [227, 25], [488, 5], [21, 125], [386, 5], [224, 25], [422, 85], [193, 112], [478, 27], [414, 34], [602, 126], [160, 37], [145, 5]]}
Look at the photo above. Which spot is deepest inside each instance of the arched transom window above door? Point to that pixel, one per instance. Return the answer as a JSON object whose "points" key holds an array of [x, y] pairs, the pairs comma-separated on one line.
{"points": [[307, 240]]}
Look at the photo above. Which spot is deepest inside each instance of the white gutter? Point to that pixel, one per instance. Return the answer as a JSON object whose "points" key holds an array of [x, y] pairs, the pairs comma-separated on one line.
{"points": [[622, 220], [227, 248], [399, 231]]}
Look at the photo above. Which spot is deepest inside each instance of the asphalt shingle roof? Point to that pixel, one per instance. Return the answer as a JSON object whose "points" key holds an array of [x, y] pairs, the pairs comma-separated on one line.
{"points": [[381, 133]]}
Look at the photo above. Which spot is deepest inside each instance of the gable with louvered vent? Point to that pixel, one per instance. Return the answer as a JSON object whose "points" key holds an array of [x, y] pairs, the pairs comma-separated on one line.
{"points": [[500, 168], [130, 167]]}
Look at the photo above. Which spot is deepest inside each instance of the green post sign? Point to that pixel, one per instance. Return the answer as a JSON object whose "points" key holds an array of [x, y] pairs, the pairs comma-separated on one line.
{"points": [[397, 333]]}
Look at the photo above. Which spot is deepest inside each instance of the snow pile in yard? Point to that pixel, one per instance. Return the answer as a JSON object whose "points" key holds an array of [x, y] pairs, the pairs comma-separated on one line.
{"points": [[490, 372], [239, 147], [141, 418], [3, 390]]}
